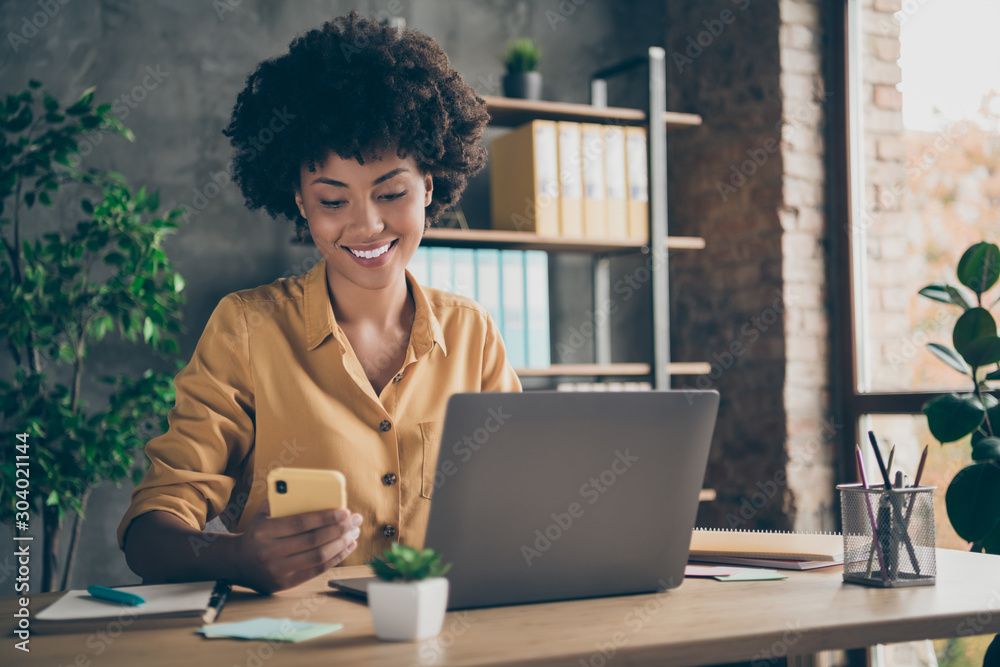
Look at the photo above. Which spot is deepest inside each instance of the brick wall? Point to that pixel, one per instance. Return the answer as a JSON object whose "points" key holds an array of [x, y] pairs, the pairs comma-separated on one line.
{"points": [[754, 303], [889, 291]]}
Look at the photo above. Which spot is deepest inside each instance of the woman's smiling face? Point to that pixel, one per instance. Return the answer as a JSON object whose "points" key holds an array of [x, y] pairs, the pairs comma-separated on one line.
{"points": [[366, 220]]}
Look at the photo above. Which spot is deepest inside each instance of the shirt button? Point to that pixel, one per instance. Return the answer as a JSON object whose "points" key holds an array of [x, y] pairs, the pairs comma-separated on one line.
{"points": [[388, 530], [389, 479], [399, 376], [385, 425]]}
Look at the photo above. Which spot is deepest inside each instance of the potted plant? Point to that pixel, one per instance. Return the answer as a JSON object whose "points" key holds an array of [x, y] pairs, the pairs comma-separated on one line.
{"points": [[522, 78], [973, 496], [409, 600], [63, 291]]}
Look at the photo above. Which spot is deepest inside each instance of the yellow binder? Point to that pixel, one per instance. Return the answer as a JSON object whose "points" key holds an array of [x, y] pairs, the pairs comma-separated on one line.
{"points": [[638, 184], [595, 211], [524, 179], [615, 181], [570, 180]]}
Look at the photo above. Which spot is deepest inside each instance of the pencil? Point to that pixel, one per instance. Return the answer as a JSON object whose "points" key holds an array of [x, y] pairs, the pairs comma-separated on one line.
{"points": [[871, 517], [881, 463]]}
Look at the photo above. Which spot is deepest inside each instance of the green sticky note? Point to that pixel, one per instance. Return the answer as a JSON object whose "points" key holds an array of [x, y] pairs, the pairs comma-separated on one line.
{"points": [[274, 629], [752, 574], [318, 630]]}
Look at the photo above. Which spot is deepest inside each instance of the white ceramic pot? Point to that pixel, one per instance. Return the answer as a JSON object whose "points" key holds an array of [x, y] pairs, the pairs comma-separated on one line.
{"points": [[408, 611]]}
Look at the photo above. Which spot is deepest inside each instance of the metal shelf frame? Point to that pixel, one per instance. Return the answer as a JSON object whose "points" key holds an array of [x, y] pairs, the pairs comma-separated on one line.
{"points": [[656, 154]]}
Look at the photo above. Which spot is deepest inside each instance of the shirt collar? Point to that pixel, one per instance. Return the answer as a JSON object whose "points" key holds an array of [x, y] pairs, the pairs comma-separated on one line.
{"points": [[320, 321]]}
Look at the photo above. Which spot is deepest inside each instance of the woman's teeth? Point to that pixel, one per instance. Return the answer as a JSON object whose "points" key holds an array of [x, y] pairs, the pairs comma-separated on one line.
{"points": [[369, 254]]}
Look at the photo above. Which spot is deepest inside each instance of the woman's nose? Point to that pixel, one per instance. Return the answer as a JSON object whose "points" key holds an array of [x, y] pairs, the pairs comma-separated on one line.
{"points": [[367, 221]]}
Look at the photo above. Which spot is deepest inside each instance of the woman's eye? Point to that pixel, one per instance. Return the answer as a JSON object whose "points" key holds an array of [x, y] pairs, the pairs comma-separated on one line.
{"points": [[331, 204], [396, 195]]}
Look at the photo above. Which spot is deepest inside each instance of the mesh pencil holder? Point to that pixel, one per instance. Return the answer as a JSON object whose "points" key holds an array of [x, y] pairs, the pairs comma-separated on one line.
{"points": [[899, 551]]}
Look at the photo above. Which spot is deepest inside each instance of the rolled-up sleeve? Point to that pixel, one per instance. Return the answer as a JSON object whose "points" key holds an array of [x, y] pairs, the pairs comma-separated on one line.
{"points": [[498, 374], [195, 465]]}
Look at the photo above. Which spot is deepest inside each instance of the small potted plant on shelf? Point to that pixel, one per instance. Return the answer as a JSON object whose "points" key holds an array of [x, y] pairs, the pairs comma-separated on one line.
{"points": [[973, 497], [409, 600], [523, 79]]}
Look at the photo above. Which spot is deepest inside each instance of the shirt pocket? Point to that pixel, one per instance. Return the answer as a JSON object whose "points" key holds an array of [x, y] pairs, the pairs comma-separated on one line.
{"points": [[430, 433]]}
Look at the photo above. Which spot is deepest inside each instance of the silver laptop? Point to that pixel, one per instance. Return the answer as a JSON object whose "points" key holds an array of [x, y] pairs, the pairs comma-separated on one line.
{"points": [[548, 495]]}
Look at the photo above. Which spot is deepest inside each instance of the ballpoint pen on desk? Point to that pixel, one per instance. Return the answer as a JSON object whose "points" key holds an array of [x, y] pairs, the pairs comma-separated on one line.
{"points": [[871, 518], [219, 597]]}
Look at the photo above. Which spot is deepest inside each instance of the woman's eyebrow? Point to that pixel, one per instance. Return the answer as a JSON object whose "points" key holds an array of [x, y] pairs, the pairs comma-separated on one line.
{"points": [[383, 177]]}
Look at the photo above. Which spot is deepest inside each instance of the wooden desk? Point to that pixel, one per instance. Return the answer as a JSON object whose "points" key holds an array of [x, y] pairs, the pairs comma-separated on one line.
{"points": [[701, 622]]}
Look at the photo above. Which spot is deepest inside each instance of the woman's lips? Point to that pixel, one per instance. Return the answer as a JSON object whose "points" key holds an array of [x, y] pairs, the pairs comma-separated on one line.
{"points": [[373, 262]]}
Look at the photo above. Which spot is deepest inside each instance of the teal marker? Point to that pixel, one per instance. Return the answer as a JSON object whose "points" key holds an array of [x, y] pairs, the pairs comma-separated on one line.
{"points": [[115, 596]]}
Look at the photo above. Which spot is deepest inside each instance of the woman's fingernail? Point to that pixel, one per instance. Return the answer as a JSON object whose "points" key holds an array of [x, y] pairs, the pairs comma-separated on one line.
{"points": [[351, 546], [356, 520]]}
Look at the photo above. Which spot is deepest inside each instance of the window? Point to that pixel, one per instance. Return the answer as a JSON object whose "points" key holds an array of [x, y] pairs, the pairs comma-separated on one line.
{"points": [[915, 164]]}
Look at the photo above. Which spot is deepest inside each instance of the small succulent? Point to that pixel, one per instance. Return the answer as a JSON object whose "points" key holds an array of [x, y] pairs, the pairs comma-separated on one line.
{"points": [[522, 56], [403, 563]]}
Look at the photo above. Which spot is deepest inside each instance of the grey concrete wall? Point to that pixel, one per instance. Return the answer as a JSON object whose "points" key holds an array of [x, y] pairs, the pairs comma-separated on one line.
{"points": [[203, 56]]}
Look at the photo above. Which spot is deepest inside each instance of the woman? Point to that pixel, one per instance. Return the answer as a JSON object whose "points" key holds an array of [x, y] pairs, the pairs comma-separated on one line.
{"points": [[349, 366]]}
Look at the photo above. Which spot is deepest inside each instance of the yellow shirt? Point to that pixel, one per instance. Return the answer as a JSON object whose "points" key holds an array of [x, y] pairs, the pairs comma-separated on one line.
{"points": [[274, 382]]}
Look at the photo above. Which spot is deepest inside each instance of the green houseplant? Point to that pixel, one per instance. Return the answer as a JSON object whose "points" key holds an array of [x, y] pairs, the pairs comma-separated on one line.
{"points": [[973, 496], [522, 79], [409, 601], [64, 290]]}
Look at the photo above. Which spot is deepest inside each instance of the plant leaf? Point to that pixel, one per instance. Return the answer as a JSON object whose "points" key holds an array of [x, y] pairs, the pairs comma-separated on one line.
{"points": [[945, 294], [991, 543], [973, 501], [952, 417], [979, 267], [983, 351], [950, 357], [974, 323], [986, 449]]}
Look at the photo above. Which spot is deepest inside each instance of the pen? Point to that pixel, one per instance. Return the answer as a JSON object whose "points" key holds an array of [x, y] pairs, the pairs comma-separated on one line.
{"points": [[881, 463], [871, 517], [111, 594], [218, 601], [888, 463]]}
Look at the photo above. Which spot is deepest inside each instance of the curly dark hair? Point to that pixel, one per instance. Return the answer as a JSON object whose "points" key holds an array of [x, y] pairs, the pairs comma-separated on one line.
{"points": [[356, 88]]}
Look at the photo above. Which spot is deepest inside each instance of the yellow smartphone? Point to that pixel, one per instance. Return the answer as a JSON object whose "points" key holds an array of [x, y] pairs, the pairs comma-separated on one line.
{"points": [[297, 490]]}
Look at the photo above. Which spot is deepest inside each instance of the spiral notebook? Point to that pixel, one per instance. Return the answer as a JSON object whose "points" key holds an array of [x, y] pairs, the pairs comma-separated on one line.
{"points": [[794, 551], [166, 605]]}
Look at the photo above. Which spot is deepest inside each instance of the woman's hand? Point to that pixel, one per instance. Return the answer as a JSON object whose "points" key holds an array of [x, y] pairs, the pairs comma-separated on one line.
{"points": [[274, 554]]}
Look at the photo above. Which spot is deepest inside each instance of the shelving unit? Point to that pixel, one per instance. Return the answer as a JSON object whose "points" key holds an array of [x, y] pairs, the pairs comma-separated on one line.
{"points": [[506, 112]]}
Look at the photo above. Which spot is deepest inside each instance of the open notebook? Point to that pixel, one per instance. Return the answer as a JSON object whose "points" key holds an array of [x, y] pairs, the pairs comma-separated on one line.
{"points": [[166, 605], [793, 551]]}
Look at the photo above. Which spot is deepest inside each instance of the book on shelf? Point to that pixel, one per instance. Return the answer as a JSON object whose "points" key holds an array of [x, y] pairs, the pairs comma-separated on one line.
{"points": [[463, 266], [536, 279], [512, 299], [604, 386], [440, 269], [774, 547], [487, 262], [570, 180], [595, 211], [616, 182], [419, 266], [637, 176], [524, 179]]}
